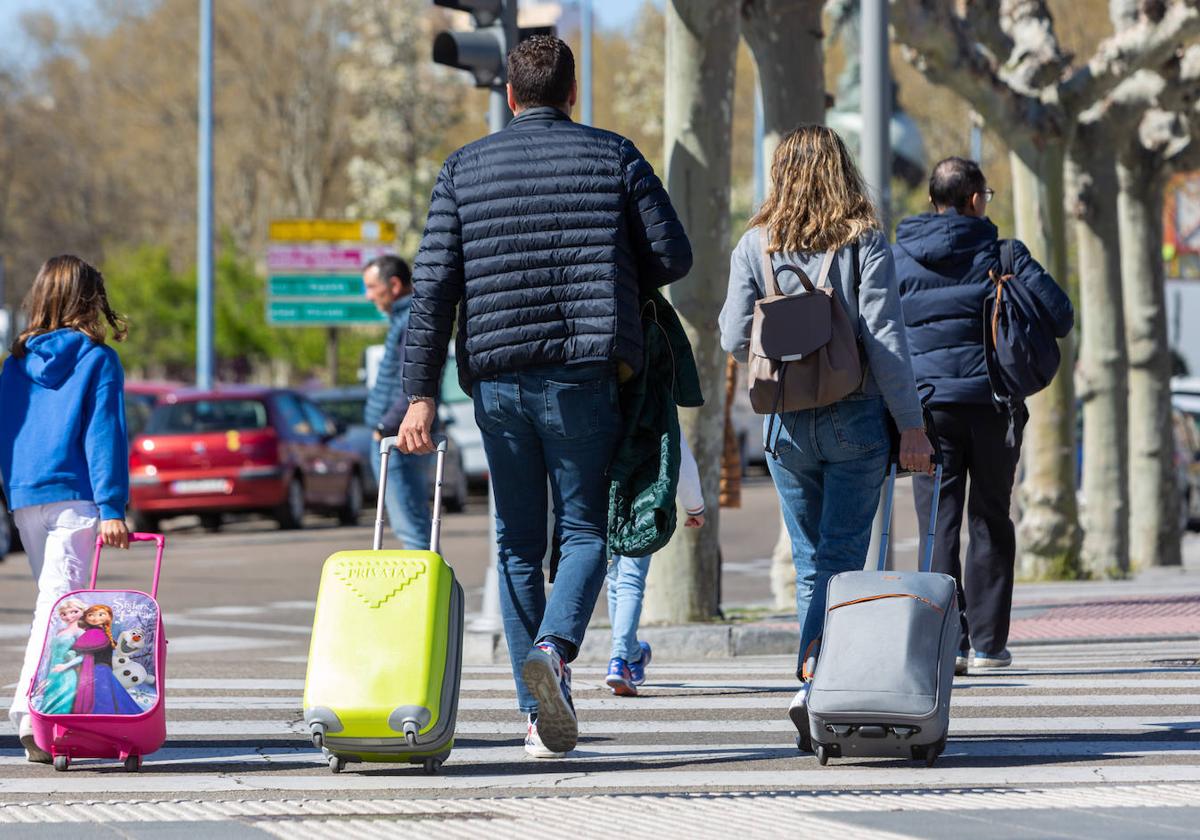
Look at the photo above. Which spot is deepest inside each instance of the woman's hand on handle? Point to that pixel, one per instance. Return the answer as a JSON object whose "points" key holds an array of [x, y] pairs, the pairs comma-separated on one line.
{"points": [[916, 452], [114, 533]]}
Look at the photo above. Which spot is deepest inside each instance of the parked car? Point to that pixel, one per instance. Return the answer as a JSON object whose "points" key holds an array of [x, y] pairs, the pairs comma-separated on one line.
{"points": [[1185, 399], [262, 450], [140, 399], [345, 406]]}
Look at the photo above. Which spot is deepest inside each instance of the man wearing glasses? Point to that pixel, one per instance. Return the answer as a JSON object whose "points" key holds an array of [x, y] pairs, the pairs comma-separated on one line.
{"points": [[945, 261]]}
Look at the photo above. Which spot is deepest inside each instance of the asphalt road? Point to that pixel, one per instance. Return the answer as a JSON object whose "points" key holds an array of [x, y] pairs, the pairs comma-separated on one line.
{"points": [[1074, 741]]}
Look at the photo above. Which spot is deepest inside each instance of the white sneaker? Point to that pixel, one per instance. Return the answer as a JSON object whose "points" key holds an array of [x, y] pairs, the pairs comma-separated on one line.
{"points": [[534, 746], [33, 752]]}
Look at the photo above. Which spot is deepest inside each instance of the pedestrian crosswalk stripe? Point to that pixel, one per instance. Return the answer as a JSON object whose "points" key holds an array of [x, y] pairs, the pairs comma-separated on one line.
{"points": [[648, 701], [541, 778]]}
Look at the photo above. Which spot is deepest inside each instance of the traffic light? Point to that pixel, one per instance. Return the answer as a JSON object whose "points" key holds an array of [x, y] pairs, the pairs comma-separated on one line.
{"points": [[482, 52]]}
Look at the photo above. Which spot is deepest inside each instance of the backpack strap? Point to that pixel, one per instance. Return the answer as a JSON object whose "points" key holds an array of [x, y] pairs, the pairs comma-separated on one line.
{"points": [[826, 264], [1007, 262], [768, 269]]}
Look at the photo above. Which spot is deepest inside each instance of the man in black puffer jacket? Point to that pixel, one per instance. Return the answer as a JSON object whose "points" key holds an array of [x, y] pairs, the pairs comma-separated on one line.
{"points": [[540, 236], [943, 265]]}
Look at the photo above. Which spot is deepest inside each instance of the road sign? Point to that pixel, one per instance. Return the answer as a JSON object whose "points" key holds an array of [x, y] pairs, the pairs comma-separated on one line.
{"points": [[328, 313], [315, 272], [315, 285], [331, 230], [321, 257]]}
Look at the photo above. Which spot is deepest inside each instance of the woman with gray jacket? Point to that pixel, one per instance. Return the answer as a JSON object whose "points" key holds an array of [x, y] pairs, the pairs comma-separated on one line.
{"points": [[828, 463]]}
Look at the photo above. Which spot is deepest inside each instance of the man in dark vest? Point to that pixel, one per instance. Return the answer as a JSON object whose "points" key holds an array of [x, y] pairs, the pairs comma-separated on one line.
{"points": [[540, 236], [944, 263]]}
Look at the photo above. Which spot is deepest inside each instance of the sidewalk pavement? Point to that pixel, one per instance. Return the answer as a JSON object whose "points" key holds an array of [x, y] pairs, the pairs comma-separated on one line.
{"points": [[1158, 604]]}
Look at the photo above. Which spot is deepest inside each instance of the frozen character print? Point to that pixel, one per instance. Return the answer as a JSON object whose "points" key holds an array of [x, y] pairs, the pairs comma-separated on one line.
{"points": [[57, 690], [99, 692], [133, 675]]}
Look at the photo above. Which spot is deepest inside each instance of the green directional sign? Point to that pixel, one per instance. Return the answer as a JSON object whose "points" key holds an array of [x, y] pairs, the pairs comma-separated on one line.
{"points": [[315, 285], [313, 312]]}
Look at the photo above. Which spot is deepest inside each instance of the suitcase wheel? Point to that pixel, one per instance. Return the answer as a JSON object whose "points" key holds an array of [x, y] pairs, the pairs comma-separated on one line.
{"points": [[933, 751], [822, 755], [133, 763], [432, 766], [336, 764], [318, 739], [62, 762]]}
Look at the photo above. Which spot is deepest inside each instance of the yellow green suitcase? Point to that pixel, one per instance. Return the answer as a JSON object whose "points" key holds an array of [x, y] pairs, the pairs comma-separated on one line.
{"points": [[385, 661]]}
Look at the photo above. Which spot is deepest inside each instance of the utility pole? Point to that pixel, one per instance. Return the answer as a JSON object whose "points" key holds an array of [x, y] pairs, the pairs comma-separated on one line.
{"points": [[877, 151], [204, 207], [585, 38]]}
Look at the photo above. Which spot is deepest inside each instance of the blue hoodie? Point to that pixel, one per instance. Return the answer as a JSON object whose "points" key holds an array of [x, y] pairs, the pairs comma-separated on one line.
{"points": [[62, 424], [942, 265]]}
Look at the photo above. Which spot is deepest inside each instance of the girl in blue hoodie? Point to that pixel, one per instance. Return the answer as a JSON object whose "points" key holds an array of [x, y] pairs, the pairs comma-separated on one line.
{"points": [[63, 451]]}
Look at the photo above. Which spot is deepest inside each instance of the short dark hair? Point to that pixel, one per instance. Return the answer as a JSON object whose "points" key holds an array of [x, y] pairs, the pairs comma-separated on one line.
{"points": [[954, 181], [389, 266], [541, 71]]}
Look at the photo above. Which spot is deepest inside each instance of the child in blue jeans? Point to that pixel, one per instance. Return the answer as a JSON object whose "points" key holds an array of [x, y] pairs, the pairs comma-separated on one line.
{"points": [[627, 585], [63, 451]]}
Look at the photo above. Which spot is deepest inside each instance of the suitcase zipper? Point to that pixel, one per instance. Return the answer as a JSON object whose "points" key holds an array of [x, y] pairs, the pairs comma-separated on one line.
{"points": [[887, 595]]}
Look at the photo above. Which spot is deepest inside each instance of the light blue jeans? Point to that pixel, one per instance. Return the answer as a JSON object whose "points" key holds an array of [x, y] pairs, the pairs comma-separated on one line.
{"points": [[407, 498], [626, 586], [560, 422], [828, 475]]}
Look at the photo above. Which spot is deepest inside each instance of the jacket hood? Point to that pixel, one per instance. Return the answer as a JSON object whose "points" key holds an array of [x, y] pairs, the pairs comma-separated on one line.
{"points": [[51, 357], [944, 240]]}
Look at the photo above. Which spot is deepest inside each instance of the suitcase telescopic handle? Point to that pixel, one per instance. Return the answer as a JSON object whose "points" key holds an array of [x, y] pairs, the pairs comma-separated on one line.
{"points": [[926, 562], [160, 543], [385, 450]]}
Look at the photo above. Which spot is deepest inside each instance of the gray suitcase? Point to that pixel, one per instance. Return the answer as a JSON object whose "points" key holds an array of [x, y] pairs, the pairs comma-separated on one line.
{"points": [[882, 682]]}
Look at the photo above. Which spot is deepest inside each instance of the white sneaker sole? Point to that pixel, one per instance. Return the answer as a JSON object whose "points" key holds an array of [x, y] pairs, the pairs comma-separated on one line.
{"points": [[33, 752], [556, 723]]}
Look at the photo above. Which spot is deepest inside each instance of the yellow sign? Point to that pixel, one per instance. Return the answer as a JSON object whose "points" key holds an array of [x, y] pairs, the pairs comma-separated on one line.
{"points": [[331, 230]]}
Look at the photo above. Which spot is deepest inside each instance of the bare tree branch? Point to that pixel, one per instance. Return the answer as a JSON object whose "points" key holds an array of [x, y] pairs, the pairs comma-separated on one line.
{"points": [[1147, 44]]}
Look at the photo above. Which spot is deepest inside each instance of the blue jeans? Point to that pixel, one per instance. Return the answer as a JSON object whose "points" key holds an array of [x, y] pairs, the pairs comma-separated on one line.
{"points": [[626, 586], [560, 422], [407, 499], [828, 474]]}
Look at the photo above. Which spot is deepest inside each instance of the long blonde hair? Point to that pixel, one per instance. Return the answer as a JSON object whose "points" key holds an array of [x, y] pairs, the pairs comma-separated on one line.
{"points": [[818, 199], [69, 293]]}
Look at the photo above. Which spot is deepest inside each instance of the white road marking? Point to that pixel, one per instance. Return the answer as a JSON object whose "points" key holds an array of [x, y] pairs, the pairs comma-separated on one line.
{"points": [[411, 778]]}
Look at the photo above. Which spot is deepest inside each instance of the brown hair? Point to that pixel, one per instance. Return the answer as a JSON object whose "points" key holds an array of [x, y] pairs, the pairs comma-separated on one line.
{"points": [[106, 625], [68, 293], [818, 199], [541, 71]]}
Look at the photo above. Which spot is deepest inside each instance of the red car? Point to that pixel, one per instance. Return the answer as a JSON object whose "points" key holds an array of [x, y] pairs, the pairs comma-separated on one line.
{"points": [[140, 399], [263, 450]]}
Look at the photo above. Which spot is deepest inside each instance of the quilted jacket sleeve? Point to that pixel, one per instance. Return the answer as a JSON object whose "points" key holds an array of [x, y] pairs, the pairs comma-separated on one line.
{"points": [[663, 251], [437, 290]]}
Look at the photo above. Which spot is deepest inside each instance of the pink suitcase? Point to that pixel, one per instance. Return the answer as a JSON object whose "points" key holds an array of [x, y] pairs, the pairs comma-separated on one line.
{"points": [[99, 691]]}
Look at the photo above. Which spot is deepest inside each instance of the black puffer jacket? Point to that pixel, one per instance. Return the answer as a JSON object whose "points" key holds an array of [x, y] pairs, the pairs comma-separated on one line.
{"points": [[542, 232]]}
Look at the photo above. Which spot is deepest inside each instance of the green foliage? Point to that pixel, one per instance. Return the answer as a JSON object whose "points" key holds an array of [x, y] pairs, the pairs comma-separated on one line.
{"points": [[160, 305]]}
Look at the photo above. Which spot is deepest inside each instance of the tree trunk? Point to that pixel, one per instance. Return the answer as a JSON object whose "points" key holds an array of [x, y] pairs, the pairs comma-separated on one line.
{"points": [[701, 50], [1103, 372], [786, 40], [1154, 498], [1048, 535]]}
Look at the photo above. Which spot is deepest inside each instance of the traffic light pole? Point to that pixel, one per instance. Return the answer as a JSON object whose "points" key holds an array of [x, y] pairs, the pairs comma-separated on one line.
{"points": [[204, 208]]}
